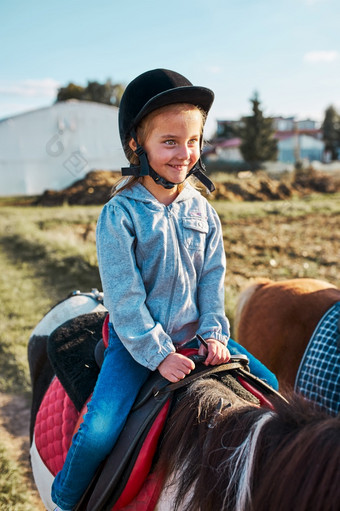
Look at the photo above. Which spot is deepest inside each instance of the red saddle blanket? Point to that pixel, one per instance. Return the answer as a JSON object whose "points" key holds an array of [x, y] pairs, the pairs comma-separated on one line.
{"points": [[57, 421]]}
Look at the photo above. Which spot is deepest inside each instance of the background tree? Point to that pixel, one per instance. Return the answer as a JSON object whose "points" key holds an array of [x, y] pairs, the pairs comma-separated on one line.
{"points": [[107, 93], [331, 132], [257, 135], [71, 91]]}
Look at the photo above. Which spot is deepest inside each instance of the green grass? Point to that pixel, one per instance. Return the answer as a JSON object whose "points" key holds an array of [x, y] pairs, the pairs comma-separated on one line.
{"points": [[41, 261], [289, 208], [16, 492], [44, 254], [23, 303], [12, 496]]}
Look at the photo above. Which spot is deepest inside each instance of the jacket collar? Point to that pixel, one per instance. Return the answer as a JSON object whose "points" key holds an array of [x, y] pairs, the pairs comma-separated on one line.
{"points": [[139, 193]]}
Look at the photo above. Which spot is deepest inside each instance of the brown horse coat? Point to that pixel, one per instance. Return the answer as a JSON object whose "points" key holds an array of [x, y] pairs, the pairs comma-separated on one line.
{"points": [[275, 320]]}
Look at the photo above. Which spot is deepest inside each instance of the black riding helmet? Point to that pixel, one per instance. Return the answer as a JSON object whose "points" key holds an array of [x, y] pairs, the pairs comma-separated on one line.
{"points": [[146, 93]]}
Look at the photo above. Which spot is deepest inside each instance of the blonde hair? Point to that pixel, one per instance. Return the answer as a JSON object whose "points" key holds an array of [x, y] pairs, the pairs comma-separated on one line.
{"points": [[142, 135]]}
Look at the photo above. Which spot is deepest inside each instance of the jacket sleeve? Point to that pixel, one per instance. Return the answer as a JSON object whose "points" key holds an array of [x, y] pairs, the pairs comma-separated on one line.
{"points": [[124, 291], [213, 322]]}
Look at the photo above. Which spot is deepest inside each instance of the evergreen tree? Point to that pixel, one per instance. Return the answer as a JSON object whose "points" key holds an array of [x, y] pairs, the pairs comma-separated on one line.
{"points": [[331, 132], [257, 134]]}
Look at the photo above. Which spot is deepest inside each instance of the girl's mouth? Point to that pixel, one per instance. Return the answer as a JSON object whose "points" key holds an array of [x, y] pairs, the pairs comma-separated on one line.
{"points": [[179, 167]]}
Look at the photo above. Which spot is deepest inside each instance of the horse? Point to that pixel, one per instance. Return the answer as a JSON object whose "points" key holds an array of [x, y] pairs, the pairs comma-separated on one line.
{"points": [[276, 321], [229, 443]]}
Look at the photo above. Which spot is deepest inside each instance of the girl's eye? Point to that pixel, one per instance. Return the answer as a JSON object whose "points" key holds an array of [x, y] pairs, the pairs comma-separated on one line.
{"points": [[190, 143]]}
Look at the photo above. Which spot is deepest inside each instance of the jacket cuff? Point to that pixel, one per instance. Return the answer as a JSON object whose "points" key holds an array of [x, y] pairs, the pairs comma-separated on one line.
{"points": [[154, 362], [215, 335]]}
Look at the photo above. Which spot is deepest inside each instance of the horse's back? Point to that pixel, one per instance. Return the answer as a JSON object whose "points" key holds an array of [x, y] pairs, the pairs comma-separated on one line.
{"points": [[41, 371], [74, 305], [277, 319]]}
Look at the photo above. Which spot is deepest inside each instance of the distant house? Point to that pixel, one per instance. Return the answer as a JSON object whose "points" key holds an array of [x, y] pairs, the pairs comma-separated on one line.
{"points": [[297, 140], [226, 150], [52, 147], [299, 145], [227, 128], [283, 123]]}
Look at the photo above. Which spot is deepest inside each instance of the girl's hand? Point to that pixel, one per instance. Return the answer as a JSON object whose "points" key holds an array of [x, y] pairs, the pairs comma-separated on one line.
{"points": [[175, 367], [216, 353]]}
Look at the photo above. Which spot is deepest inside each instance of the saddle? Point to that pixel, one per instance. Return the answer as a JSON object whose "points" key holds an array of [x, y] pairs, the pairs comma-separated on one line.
{"points": [[75, 350]]}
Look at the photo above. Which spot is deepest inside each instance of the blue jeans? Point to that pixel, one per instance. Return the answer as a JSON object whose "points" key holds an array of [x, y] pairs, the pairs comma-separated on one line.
{"points": [[118, 384], [256, 367]]}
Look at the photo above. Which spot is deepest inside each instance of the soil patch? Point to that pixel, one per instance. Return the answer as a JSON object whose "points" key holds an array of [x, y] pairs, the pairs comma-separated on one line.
{"points": [[96, 187], [14, 434]]}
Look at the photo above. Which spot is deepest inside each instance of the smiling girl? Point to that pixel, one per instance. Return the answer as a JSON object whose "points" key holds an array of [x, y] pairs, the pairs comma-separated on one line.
{"points": [[162, 265]]}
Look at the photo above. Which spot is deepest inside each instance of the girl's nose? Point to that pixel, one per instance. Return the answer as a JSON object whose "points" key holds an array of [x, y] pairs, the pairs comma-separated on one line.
{"points": [[183, 152]]}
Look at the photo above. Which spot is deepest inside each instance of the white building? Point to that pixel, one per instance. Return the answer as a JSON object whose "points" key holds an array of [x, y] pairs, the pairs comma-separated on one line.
{"points": [[51, 147]]}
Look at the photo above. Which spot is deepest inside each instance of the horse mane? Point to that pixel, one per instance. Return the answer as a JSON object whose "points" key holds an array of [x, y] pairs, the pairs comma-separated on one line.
{"points": [[302, 458], [245, 458]]}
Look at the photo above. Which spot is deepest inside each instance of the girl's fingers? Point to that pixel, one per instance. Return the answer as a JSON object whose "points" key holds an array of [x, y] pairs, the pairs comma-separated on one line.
{"points": [[188, 365], [218, 354], [212, 353], [202, 350]]}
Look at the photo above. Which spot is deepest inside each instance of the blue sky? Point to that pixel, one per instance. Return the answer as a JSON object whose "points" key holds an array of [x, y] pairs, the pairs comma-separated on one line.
{"points": [[289, 51]]}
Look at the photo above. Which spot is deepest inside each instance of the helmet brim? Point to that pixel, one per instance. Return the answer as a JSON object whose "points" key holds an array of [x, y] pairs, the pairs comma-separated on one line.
{"points": [[198, 96]]}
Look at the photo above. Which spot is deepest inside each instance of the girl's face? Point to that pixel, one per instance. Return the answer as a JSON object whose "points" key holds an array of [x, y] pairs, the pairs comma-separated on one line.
{"points": [[172, 141]]}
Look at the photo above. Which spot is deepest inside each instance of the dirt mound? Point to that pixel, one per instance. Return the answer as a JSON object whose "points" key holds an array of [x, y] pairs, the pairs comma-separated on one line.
{"points": [[316, 181], [96, 187], [253, 190]]}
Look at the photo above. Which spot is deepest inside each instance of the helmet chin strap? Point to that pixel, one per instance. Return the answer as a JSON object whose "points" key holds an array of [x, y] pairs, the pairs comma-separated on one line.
{"points": [[144, 169], [159, 180]]}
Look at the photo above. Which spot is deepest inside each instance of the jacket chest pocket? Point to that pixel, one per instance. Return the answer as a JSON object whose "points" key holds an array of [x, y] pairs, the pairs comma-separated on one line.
{"points": [[194, 233]]}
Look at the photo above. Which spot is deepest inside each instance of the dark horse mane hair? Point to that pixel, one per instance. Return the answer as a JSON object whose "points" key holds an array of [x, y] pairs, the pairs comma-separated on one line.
{"points": [[221, 453]]}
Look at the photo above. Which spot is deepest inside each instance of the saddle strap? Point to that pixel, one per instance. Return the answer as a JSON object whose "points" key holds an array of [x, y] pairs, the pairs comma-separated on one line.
{"points": [[169, 387]]}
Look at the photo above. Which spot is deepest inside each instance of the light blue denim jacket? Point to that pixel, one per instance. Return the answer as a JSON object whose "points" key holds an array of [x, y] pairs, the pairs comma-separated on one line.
{"points": [[162, 270]]}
